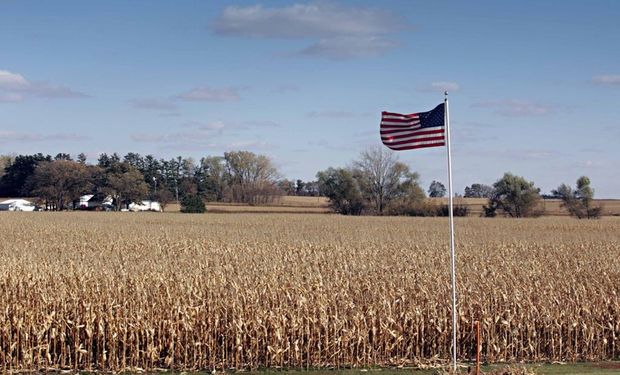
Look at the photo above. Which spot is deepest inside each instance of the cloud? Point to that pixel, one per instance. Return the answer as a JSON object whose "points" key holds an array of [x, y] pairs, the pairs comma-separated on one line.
{"points": [[9, 135], [50, 91], [516, 108], [321, 19], [513, 154], [210, 94], [194, 135], [613, 80], [441, 86], [11, 97], [155, 104], [339, 32], [348, 47], [196, 132], [283, 89], [10, 80], [15, 87], [331, 114]]}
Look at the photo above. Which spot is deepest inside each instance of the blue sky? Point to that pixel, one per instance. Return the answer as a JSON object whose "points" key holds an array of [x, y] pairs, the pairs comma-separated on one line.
{"points": [[534, 85]]}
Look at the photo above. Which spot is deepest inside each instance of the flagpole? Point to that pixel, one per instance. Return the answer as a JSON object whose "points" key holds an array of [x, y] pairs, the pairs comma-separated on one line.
{"points": [[450, 212]]}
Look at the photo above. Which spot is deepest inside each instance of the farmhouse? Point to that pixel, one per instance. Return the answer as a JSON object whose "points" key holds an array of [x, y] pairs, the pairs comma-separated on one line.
{"points": [[16, 205]]}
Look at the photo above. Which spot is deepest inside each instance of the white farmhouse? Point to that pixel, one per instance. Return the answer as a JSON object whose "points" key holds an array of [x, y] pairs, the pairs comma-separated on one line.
{"points": [[17, 205]]}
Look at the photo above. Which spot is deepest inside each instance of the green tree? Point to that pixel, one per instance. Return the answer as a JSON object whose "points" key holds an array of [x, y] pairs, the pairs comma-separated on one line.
{"points": [[212, 178], [13, 182], [193, 204], [5, 162], [514, 196], [436, 190], [478, 191], [342, 190], [125, 184], [579, 202]]}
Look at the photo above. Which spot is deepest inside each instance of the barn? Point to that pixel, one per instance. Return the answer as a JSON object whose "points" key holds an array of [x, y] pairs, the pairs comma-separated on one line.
{"points": [[17, 205]]}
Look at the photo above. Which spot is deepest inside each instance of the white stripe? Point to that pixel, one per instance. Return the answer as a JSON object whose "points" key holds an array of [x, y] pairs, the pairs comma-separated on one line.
{"points": [[392, 123], [416, 144], [396, 133], [414, 129], [413, 137], [402, 117]]}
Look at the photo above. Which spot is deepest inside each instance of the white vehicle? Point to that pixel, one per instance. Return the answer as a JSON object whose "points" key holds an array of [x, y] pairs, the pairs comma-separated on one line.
{"points": [[17, 205]]}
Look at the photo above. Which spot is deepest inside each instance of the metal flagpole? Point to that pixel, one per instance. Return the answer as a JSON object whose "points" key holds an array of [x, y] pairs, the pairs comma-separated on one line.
{"points": [[452, 254]]}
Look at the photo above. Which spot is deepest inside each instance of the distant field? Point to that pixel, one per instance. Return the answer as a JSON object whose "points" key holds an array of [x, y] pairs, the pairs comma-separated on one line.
{"points": [[285, 204], [320, 205], [113, 291]]}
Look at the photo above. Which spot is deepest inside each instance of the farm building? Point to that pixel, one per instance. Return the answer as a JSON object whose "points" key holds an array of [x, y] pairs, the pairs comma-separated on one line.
{"points": [[145, 206], [16, 205], [93, 202]]}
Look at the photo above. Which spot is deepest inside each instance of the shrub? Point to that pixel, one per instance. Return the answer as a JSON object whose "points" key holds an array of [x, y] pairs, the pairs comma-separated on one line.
{"points": [[193, 204]]}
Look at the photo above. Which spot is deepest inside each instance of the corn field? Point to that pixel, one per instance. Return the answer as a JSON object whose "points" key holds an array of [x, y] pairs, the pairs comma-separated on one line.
{"points": [[110, 291]]}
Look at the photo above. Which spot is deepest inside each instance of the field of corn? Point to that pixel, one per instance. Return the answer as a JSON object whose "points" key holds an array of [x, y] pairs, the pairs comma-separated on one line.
{"points": [[108, 291]]}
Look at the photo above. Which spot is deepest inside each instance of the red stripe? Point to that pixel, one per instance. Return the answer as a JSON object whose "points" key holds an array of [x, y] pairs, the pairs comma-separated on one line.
{"points": [[417, 146], [400, 128], [397, 114], [400, 120], [413, 133], [440, 138]]}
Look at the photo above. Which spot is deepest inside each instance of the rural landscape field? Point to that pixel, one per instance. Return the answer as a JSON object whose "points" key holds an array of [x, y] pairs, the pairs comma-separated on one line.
{"points": [[114, 291]]}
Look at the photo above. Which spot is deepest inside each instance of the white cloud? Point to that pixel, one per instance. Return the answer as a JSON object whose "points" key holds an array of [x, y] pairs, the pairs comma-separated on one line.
{"points": [[153, 103], [512, 154], [15, 87], [321, 19], [283, 89], [197, 135], [10, 80], [340, 32], [9, 135], [331, 114], [607, 80], [441, 86], [348, 47], [210, 94], [11, 97], [516, 108]]}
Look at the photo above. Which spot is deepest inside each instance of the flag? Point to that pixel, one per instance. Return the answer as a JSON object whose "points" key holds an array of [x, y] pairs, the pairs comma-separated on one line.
{"points": [[416, 130]]}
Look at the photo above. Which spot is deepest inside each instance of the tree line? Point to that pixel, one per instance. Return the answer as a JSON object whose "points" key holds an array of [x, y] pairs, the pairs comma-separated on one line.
{"points": [[237, 176], [376, 183]]}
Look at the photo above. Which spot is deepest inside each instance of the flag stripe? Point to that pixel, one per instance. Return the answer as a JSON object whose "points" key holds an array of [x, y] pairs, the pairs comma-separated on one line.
{"points": [[414, 140], [396, 123], [417, 145], [416, 130], [400, 128], [394, 133], [399, 115]]}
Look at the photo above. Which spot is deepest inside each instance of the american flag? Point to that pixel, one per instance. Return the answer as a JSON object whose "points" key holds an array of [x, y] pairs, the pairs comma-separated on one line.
{"points": [[416, 130]]}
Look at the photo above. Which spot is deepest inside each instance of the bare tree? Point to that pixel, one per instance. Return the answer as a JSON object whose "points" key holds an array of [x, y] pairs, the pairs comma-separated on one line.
{"points": [[252, 178], [382, 177]]}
